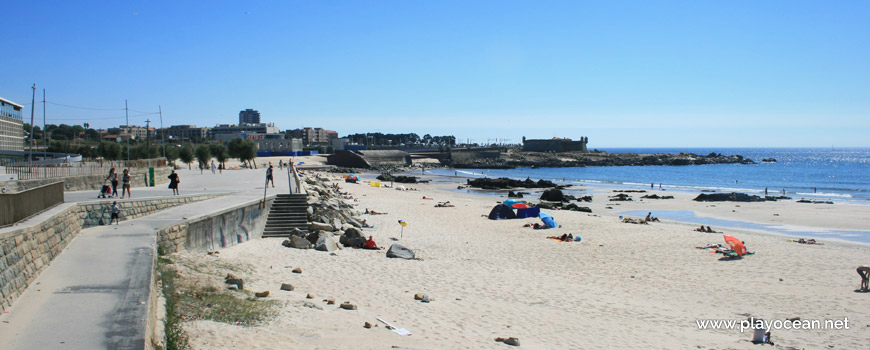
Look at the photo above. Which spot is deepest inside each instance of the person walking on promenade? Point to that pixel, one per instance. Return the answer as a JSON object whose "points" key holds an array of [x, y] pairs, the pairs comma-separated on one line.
{"points": [[173, 183], [113, 176], [213, 168], [125, 182], [269, 176], [116, 211]]}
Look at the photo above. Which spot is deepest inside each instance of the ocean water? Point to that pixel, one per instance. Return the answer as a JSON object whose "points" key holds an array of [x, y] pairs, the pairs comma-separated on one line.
{"points": [[841, 174]]}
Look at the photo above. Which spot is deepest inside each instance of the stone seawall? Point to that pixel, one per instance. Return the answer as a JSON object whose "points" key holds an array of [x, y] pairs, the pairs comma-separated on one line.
{"points": [[91, 182], [26, 251], [216, 230]]}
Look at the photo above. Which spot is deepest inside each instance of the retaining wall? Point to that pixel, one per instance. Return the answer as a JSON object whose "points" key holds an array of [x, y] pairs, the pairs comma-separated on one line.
{"points": [[216, 230], [91, 182], [26, 251]]}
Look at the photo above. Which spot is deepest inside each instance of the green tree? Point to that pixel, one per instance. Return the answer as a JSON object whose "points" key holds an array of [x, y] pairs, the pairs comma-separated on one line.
{"points": [[244, 150], [171, 155], [109, 150], [203, 155], [220, 153], [186, 154]]}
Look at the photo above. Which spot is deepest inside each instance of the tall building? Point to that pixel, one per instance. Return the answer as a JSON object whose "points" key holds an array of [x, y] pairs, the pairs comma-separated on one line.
{"points": [[249, 116], [227, 132], [11, 126], [187, 132], [314, 136]]}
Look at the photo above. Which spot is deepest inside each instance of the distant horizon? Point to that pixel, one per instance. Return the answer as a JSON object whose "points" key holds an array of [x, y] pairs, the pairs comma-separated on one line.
{"points": [[727, 74]]}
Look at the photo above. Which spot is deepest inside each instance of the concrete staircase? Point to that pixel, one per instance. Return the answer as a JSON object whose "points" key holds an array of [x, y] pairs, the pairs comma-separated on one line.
{"points": [[288, 211]]}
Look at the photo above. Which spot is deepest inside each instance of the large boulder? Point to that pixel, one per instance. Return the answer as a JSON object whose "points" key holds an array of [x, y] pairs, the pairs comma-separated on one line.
{"points": [[325, 243], [729, 197], [299, 242], [398, 251], [315, 226], [352, 237], [553, 195]]}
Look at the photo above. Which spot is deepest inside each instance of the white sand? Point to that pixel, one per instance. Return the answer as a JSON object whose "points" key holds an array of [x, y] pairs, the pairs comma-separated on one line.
{"points": [[622, 286]]}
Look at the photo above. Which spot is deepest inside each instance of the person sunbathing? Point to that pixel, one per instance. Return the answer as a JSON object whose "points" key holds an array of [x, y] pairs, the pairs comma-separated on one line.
{"points": [[372, 212], [370, 244], [427, 198], [649, 218], [564, 238], [444, 205]]}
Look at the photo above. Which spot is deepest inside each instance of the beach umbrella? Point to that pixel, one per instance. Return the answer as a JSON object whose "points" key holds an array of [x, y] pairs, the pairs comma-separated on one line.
{"points": [[511, 201], [403, 223], [520, 206], [548, 220], [735, 244]]}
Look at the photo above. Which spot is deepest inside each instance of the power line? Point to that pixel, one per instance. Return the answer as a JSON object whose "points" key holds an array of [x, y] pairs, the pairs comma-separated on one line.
{"points": [[90, 108]]}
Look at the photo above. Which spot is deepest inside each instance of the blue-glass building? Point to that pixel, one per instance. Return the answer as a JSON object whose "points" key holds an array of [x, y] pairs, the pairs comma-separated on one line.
{"points": [[11, 126]]}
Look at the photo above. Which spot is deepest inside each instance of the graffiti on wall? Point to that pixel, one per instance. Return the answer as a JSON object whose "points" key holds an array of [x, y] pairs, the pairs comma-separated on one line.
{"points": [[227, 229]]}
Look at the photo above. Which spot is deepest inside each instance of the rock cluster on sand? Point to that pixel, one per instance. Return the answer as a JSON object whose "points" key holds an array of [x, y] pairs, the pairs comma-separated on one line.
{"points": [[506, 183]]}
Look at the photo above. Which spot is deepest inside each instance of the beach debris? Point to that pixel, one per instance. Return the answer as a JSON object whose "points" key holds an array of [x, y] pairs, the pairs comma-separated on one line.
{"points": [[418, 296], [347, 306], [427, 299], [262, 294], [367, 324], [297, 270], [399, 251], [287, 286], [235, 280], [509, 341], [329, 301], [309, 296], [399, 331]]}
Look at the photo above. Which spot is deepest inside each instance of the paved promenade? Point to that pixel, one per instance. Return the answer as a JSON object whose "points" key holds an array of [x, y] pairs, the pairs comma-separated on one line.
{"points": [[95, 294]]}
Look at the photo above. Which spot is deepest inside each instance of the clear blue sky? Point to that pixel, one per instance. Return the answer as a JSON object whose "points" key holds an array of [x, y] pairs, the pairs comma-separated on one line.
{"points": [[625, 74]]}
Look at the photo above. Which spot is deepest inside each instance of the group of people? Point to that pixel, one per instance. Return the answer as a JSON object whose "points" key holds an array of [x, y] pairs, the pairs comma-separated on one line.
{"points": [[707, 229], [126, 183]]}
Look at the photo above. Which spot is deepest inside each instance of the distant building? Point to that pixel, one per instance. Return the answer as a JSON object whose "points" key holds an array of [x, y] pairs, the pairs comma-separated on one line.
{"points": [[11, 126], [249, 116], [555, 145], [187, 132], [227, 132], [135, 132], [314, 136], [279, 145]]}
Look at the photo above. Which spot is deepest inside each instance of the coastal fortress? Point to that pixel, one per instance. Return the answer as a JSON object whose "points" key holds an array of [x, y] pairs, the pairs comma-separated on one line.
{"points": [[555, 144]]}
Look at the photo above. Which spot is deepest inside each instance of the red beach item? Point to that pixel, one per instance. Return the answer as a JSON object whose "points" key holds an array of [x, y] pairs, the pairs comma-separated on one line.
{"points": [[735, 244]]}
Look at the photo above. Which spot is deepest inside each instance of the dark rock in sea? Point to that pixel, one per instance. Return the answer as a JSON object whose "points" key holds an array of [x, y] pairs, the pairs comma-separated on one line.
{"points": [[585, 199], [512, 194], [513, 158], [505, 183], [620, 198], [768, 160], [728, 197], [575, 207], [655, 196], [553, 195], [399, 179], [630, 191], [815, 202]]}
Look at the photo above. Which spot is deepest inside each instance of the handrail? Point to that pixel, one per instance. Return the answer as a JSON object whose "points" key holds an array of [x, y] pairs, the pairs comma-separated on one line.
{"points": [[300, 188]]}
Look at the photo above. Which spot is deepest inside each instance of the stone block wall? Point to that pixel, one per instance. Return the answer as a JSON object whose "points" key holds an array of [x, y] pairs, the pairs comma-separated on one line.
{"points": [[26, 251], [218, 230]]}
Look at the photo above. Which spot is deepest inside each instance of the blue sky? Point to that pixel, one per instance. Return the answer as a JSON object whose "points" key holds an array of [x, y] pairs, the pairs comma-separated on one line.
{"points": [[623, 73]]}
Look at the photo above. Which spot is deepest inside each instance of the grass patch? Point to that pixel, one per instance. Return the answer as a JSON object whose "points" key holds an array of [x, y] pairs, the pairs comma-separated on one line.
{"points": [[226, 306], [176, 339]]}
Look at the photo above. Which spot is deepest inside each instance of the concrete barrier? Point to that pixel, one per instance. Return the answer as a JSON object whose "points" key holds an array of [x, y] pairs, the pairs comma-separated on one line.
{"points": [[216, 230]]}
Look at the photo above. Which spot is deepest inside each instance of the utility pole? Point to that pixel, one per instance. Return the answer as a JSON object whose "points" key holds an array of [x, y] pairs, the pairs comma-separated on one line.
{"points": [[44, 134], [32, 106], [148, 137], [127, 116], [160, 109]]}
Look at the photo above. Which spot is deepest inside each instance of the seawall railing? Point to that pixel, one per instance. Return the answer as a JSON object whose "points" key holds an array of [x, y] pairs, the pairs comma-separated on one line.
{"points": [[15, 207], [31, 172]]}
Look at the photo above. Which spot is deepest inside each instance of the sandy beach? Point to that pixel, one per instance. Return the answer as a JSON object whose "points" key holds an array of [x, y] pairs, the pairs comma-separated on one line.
{"points": [[621, 286]]}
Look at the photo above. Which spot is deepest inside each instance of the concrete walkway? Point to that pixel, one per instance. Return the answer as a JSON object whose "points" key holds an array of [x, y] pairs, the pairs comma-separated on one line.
{"points": [[95, 295]]}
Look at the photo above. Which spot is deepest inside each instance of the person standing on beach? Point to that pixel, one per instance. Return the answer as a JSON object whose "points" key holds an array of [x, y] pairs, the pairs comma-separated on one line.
{"points": [[864, 272], [126, 184], [173, 183], [116, 211], [213, 167], [269, 176], [113, 176], [765, 191]]}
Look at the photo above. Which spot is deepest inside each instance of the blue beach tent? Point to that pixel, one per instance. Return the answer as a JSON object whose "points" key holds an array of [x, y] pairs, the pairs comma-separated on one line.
{"points": [[548, 220], [532, 212]]}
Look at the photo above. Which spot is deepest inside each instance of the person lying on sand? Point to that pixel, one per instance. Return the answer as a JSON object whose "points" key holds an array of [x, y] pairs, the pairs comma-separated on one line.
{"points": [[444, 205], [708, 229], [710, 246], [564, 238], [372, 212], [634, 221], [537, 226], [427, 198], [807, 241]]}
